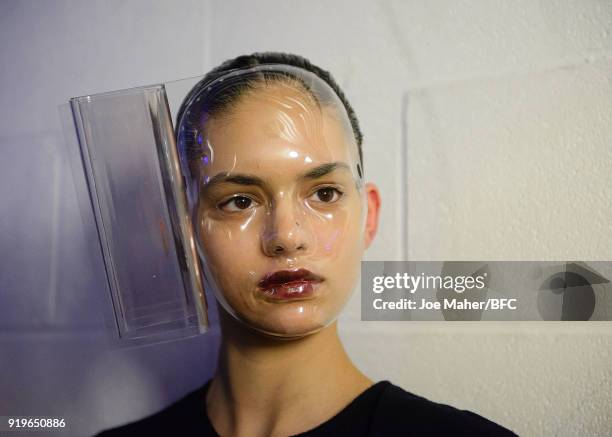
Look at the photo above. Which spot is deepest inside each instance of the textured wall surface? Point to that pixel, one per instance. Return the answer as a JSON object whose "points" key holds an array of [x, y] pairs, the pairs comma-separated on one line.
{"points": [[501, 110]]}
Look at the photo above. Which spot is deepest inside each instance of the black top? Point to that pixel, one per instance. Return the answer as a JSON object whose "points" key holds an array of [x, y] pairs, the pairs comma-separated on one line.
{"points": [[384, 409]]}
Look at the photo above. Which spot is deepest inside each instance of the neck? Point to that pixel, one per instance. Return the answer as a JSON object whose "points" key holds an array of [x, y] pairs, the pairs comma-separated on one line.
{"points": [[277, 384]]}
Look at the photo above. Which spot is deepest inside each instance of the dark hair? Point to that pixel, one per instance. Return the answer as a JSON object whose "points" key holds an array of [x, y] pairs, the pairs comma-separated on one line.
{"points": [[189, 143]]}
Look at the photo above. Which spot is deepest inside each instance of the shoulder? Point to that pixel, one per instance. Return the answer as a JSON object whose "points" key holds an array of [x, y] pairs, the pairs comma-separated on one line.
{"points": [[399, 412], [186, 413]]}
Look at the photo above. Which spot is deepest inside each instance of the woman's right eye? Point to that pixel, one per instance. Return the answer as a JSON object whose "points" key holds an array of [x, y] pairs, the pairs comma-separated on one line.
{"points": [[240, 203]]}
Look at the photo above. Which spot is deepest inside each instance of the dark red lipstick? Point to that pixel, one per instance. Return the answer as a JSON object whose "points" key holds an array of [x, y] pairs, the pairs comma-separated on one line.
{"points": [[289, 284]]}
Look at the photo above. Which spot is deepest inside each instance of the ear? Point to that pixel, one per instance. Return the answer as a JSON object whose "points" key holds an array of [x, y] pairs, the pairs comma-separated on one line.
{"points": [[373, 199]]}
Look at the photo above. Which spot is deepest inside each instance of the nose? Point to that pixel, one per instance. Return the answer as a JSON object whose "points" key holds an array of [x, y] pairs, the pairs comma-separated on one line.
{"points": [[286, 232]]}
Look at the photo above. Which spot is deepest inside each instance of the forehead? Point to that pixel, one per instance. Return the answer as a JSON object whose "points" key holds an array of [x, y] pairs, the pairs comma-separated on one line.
{"points": [[277, 125]]}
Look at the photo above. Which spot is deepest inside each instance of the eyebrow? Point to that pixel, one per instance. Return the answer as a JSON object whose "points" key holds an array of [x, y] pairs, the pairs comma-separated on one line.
{"points": [[246, 179]]}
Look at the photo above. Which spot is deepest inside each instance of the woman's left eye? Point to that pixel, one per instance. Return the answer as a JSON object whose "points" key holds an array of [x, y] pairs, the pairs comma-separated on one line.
{"points": [[328, 194]]}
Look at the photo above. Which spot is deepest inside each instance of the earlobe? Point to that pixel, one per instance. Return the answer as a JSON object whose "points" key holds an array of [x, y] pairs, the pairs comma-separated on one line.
{"points": [[371, 226]]}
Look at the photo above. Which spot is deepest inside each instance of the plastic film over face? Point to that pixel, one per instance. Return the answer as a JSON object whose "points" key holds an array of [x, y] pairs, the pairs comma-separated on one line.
{"points": [[275, 191]]}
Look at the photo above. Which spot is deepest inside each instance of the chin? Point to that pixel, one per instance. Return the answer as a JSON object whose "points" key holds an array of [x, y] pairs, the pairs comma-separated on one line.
{"points": [[288, 335], [289, 327]]}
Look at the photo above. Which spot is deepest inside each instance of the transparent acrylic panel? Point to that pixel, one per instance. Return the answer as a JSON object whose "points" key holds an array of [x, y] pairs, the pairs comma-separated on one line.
{"points": [[136, 190], [517, 167]]}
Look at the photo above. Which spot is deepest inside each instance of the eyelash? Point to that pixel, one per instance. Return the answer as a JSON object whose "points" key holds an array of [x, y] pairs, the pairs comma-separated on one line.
{"points": [[328, 187], [240, 196], [232, 199]]}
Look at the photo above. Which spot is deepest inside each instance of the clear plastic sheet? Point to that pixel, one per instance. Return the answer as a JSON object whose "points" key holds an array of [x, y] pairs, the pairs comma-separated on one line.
{"points": [[135, 188]]}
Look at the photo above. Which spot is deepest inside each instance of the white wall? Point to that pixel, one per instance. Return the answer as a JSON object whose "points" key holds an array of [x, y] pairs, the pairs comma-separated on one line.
{"points": [[420, 74]]}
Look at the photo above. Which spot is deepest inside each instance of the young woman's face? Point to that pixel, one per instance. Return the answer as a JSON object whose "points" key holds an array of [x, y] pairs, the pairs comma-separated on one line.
{"points": [[280, 193]]}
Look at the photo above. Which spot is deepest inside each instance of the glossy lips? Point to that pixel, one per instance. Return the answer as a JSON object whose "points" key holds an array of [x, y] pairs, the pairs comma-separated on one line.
{"points": [[289, 284]]}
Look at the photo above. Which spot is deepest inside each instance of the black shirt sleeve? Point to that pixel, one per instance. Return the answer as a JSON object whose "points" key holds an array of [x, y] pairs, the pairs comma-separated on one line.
{"points": [[185, 417], [401, 413]]}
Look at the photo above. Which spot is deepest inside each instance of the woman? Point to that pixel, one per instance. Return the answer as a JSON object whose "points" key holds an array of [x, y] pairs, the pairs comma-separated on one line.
{"points": [[273, 163]]}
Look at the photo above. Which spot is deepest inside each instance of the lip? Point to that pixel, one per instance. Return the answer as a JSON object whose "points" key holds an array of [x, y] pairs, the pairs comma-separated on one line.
{"points": [[290, 284]]}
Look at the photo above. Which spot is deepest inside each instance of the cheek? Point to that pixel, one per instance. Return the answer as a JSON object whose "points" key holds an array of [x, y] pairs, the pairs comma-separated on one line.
{"points": [[338, 235], [221, 238], [226, 245]]}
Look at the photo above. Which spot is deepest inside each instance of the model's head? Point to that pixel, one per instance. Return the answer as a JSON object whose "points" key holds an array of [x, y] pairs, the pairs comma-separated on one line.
{"points": [[271, 152]]}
